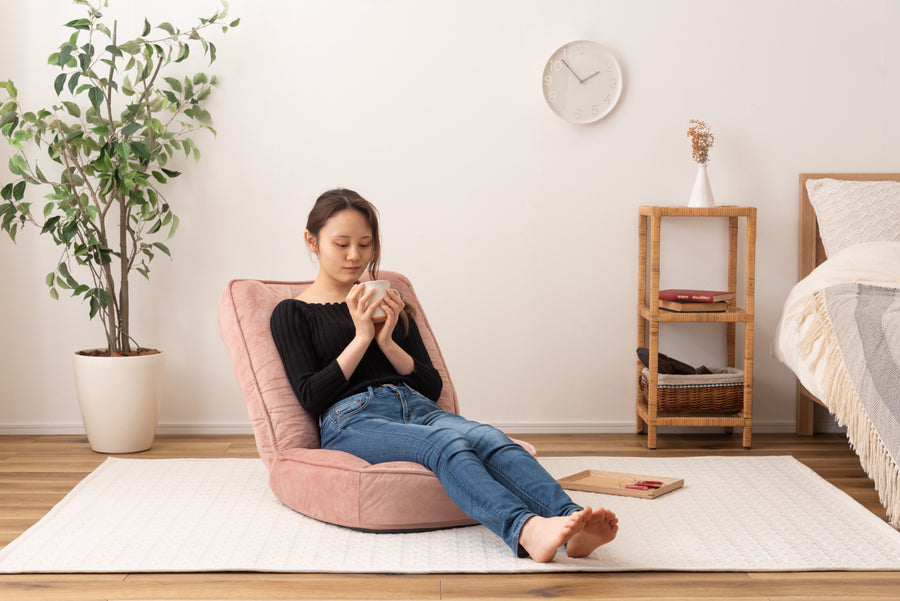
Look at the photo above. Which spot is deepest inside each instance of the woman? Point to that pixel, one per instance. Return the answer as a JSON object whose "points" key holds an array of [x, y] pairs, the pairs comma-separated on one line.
{"points": [[374, 389]]}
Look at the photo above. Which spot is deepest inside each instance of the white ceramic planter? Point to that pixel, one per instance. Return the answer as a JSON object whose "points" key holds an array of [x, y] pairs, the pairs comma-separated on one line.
{"points": [[119, 400]]}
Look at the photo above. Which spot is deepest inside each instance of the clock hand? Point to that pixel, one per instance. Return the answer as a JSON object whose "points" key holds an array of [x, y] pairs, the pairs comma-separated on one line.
{"points": [[590, 76], [573, 71]]}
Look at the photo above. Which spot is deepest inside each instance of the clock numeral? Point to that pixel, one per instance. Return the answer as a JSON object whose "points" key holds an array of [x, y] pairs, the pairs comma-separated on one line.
{"points": [[613, 83], [557, 66], [552, 96], [579, 114], [595, 109], [608, 99], [548, 80]]}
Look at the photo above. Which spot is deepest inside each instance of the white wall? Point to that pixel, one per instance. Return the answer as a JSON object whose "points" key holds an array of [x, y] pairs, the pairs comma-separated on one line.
{"points": [[433, 110]]}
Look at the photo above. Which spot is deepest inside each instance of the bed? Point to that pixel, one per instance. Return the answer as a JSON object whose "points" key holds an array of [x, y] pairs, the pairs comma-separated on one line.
{"points": [[839, 331]]}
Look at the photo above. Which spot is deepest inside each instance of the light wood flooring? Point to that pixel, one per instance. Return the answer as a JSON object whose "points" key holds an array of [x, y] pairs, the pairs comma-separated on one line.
{"points": [[37, 471]]}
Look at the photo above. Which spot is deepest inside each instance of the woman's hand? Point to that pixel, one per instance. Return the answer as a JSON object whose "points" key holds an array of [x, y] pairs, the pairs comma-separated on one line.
{"points": [[357, 299], [392, 305], [365, 329]]}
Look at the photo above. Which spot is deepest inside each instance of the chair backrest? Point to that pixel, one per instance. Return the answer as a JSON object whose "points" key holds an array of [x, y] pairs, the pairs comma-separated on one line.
{"points": [[279, 422]]}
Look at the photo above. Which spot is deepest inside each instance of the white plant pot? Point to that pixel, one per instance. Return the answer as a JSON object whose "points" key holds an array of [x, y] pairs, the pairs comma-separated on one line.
{"points": [[119, 400]]}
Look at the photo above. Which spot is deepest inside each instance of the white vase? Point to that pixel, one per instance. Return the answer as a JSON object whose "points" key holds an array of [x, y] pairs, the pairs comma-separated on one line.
{"points": [[701, 195], [119, 400]]}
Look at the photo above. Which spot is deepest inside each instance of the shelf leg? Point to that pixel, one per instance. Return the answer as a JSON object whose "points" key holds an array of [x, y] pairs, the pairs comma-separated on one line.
{"points": [[651, 436], [748, 433]]}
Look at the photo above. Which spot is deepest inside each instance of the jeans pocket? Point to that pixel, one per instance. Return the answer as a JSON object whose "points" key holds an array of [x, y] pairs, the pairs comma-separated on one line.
{"points": [[346, 408]]}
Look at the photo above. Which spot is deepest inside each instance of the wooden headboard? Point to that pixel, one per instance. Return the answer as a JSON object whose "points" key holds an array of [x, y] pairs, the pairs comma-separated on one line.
{"points": [[810, 255]]}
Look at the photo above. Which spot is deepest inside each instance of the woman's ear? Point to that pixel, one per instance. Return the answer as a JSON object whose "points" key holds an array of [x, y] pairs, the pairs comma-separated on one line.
{"points": [[311, 243]]}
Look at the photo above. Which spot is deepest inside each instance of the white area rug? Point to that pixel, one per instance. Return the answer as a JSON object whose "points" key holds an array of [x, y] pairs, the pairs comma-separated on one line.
{"points": [[185, 515]]}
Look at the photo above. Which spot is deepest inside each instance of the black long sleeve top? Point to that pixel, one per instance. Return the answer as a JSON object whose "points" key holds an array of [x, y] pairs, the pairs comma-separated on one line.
{"points": [[310, 337]]}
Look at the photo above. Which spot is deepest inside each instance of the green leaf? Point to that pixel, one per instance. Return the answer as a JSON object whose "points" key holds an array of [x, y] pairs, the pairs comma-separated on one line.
{"points": [[69, 231], [54, 294], [84, 24], [163, 248], [59, 83], [96, 96], [146, 28], [19, 191], [183, 53], [130, 129], [72, 108], [174, 84], [73, 81], [64, 53], [167, 27], [51, 277], [141, 150], [114, 50], [10, 88], [14, 165]]}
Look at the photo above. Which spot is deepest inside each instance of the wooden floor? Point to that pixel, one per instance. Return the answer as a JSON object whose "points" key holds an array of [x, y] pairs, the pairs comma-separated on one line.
{"points": [[37, 471]]}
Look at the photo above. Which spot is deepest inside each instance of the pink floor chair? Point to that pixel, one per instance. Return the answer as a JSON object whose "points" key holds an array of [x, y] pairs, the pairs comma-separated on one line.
{"points": [[331, 486]]}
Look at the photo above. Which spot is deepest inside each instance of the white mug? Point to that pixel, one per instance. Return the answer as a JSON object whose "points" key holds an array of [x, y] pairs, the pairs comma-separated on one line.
{"points": [[381, 287]]}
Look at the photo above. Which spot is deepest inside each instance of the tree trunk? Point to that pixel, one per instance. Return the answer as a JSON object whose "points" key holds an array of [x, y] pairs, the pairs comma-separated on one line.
{"points": [[124, 338]]}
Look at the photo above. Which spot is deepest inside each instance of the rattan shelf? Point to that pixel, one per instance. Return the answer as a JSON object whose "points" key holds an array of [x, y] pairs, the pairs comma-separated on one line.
{"points": [[647, 403]]}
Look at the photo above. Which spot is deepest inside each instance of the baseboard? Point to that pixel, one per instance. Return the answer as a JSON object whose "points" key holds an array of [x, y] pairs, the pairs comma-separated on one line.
{"points": [[77, 429], [769, 427], [210, 429]]}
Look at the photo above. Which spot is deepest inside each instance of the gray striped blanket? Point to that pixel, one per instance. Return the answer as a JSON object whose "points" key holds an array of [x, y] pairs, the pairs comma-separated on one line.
{"points": [[863, 383]]}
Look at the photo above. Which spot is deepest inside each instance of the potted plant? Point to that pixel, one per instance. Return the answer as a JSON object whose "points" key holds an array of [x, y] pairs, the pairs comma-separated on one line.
{"points": [[122, 115]]}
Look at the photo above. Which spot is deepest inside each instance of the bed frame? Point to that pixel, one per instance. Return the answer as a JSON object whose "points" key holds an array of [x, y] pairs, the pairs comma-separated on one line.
{"points": [[811, 254]]}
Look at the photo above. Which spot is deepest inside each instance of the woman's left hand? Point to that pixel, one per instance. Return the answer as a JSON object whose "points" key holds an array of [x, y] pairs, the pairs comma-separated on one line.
{"points": [[392, 305]]}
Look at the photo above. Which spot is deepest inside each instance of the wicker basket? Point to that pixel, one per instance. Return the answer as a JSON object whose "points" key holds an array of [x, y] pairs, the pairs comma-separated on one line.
{"points": [[719, 392]]}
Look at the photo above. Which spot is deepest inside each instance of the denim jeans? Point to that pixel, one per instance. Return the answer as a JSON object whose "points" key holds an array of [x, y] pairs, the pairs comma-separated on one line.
{"points": [[491, 478]]}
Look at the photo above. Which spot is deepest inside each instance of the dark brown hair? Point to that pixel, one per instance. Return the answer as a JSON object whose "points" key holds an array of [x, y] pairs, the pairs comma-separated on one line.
{"points": [[341, 199]]}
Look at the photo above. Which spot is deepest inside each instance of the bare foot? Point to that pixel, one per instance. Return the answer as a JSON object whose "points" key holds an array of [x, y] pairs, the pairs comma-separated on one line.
{"points": [[599, 528], [541, 537]]}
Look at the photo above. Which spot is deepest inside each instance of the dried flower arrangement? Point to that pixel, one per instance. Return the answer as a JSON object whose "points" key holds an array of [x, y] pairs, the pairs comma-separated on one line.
{"points": [[701, 140]]}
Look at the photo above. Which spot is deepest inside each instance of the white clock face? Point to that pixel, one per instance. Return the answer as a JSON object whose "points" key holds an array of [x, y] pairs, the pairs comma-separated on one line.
{"points": [[582, 82]]}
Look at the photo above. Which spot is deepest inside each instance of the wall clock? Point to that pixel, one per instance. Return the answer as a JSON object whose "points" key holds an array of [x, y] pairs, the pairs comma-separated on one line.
{"points": [[582, 81]]}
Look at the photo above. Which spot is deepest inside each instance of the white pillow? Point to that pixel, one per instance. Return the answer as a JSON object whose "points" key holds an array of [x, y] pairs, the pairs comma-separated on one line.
{"points": [[850, 212]]}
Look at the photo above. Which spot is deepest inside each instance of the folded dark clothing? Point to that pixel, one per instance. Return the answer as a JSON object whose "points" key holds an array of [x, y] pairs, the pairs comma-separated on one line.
{"points": [[669, 365]]}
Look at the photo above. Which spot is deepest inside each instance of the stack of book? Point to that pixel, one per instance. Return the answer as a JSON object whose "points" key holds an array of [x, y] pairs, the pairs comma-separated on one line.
{"points": [[691, 301]]}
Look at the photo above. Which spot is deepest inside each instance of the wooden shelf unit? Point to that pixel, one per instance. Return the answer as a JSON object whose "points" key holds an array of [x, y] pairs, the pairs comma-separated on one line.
{"points": [[650, 316]]}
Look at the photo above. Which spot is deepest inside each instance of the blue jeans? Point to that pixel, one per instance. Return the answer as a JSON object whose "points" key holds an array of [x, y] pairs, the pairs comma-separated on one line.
{"points": [[491, 478]]}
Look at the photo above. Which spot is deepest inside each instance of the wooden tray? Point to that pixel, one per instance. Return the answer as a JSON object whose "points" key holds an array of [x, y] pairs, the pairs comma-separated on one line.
{"points": [[618, 483]]}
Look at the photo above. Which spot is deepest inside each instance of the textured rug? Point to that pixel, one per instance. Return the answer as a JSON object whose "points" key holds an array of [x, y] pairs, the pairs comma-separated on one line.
{"points": [[186, 515]]}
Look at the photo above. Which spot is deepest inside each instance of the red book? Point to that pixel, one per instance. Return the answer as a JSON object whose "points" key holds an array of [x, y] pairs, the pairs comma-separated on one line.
{"points": [[695, 296]]}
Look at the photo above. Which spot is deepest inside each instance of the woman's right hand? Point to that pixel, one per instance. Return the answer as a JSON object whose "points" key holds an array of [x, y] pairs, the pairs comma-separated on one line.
{"points": [[350, 357], [357, 299]]}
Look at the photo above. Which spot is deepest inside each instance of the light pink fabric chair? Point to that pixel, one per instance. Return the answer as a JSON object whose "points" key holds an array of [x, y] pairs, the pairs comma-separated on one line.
{"points": [[331, 486]]}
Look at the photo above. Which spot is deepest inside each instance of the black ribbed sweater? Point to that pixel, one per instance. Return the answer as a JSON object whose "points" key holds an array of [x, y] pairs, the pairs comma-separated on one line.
{"points": [[310, 337]]}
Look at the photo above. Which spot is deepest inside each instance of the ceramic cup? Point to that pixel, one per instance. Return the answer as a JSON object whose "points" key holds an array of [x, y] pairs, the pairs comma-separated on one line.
{"points": [[381, 287]]}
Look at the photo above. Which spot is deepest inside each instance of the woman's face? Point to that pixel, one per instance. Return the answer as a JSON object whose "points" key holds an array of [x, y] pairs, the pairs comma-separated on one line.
{"points": [[344, 246]]}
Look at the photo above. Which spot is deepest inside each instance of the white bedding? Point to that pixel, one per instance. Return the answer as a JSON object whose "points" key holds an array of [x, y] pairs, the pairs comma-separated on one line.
{"points": [[876, 263]]}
